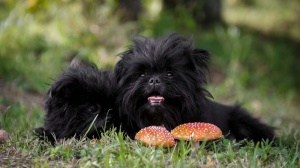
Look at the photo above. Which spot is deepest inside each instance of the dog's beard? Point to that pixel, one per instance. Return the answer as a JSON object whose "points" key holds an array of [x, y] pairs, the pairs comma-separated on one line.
{"points": [[168, 105], [162, 114]]}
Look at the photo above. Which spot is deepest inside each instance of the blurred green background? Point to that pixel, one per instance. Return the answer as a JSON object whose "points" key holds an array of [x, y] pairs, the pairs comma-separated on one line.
{"points": [[254, 46]]}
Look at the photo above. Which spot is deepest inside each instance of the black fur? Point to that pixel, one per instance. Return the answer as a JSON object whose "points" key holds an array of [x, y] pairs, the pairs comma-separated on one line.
{"points": [[173, 68], [83, 93]]}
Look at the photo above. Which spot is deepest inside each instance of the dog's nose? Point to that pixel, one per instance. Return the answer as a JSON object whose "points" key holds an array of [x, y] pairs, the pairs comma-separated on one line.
{"points": [[154, 81]]}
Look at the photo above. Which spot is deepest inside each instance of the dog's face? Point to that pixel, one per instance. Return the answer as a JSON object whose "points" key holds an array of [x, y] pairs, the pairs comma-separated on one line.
{"points": [[81, 97], [160, 81]]}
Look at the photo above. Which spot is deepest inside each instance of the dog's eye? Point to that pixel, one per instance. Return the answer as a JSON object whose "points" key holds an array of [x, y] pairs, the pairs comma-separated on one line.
{"points": [[169, 74], [93, 109], [142, 75]]}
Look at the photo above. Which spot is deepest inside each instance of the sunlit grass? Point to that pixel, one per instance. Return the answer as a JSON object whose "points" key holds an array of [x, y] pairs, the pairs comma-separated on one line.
{"points": [[269, 17]]}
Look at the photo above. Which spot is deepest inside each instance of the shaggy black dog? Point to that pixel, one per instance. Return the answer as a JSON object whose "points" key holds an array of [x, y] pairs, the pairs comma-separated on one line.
{"points": [[160, 82], [79, 103]]}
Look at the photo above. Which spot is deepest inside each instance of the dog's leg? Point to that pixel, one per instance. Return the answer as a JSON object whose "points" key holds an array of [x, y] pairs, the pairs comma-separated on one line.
{"points": [[44, 134], [245, 126], [236, 123]]}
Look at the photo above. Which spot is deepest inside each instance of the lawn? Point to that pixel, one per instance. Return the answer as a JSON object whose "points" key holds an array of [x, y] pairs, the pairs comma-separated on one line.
{"points": [[257, 70], [114, 150]]}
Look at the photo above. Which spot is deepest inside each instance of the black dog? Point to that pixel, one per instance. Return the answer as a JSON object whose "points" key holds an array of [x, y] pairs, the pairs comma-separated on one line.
{"points": [[81, 97], [160, 82]]}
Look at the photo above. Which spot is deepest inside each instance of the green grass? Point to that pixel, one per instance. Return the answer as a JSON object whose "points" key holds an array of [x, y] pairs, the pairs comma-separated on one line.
{"points": [[114, 150], [38, 41]]}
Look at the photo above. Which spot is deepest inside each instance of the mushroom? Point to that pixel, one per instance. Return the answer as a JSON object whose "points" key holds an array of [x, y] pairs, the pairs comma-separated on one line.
{"points": [[155, 136], [3, 136], [196, 132]]}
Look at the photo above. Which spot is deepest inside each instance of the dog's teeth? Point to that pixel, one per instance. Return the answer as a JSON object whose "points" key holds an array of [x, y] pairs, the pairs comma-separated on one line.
{"points": [[156, 99]]}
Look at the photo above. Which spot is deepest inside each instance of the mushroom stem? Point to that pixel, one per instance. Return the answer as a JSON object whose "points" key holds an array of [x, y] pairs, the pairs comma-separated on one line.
{"points": [[194, 148], [195, 145]]}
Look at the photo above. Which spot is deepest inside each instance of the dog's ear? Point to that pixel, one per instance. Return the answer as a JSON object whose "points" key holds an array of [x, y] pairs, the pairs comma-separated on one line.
{"points": [[80, 64], [63, 89], [120, 69], [72, 81], [76, 62], [200, 60]]}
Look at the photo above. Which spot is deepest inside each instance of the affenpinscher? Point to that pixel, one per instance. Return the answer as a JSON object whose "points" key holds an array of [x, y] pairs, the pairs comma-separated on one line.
{"points": [[160, 82], [79, 103]]}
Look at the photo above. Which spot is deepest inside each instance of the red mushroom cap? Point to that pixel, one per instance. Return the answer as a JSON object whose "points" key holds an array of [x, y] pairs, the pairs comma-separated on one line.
{"points": [[196, 131], [155, 136]]}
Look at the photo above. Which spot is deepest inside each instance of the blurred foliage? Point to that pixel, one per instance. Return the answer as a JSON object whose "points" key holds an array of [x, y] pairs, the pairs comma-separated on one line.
{"points": [[246, 59], [253, 47], [38, 38], [269, 17]]}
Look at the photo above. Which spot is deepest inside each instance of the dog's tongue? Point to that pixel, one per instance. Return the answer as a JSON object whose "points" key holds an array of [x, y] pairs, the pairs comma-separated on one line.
{"points": [[156, 99]]}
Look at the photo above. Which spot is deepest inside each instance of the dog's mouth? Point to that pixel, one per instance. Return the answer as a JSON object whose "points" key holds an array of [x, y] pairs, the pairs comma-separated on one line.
{"points": [[155, 99]]}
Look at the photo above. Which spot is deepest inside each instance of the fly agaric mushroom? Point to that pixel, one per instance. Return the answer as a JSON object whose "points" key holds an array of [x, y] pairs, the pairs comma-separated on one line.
{"points": [[155, 136], [196, 131], [3, 136]]}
